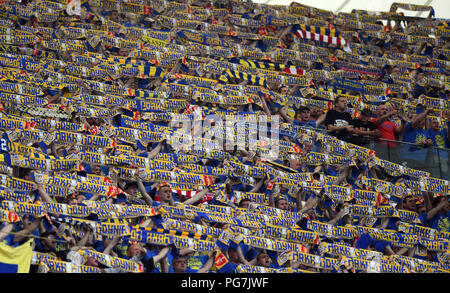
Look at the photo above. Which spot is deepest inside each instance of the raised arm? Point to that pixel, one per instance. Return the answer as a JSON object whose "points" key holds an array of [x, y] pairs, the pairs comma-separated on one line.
{"points": [[310, 203], [258, 186], [154, 152], [27, 230], [144, 193], [111, 245], [161, 255], [207, 266], [285, 115], [383, 118], [418, 118], [6, 230], [320, 119], [199, 195], [43, 194], [434, 211]]}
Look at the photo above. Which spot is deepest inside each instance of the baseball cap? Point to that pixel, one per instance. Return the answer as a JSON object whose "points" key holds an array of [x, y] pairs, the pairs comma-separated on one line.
{"points": [[366, 112]]}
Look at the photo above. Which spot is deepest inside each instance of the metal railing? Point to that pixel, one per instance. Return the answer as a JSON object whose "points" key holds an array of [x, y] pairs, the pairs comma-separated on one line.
{"points": [[429, 159]]}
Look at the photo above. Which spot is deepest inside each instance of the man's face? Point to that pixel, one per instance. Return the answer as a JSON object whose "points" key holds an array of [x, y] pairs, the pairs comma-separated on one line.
{"points": [[165, 193], [434, 125], [245, 204], [264, 260], [341, 104], [234, 256], [179, 264], [421, 209], [305, 115], [80, 198], [294, 164], [395, 71], [114, 16], [382, 110], [132, 189], [122, 52], [96, 170], [421, 123], [92, 262], [307, 147], [284, 90], [134, 250], [446, 206], [283, 205], [410, 204]]}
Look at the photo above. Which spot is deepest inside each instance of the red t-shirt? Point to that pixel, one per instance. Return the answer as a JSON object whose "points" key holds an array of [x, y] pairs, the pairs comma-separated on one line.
{"points": [[387, 129]]}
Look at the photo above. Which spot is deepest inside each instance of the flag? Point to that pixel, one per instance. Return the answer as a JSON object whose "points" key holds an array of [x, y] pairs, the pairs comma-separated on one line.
{"points": [[322, 34], [223, 265], [16, 259], [294, 70]]}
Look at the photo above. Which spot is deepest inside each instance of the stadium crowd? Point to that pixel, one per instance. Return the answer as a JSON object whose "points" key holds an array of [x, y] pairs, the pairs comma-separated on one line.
{"points": [[132, 138]]}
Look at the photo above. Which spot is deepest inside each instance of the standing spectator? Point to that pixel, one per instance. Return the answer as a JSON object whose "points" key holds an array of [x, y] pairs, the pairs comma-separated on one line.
{"points": [[416, 134], [439, 157], [364, 127], [439, 216], [338, 121], [388, 131]]}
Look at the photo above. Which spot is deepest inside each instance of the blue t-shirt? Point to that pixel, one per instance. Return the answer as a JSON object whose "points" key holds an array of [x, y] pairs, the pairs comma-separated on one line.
{"points": [[414, 135], [310, 123], [440, 141], [440, 222]]}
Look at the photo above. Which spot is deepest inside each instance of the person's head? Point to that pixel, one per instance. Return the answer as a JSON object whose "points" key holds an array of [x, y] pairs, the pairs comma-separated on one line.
{"points": [[307, 146], [93, 121], [395, 70], [409, 203], [72, 199], [123, 52], [284, 90], [381, 110], [91, 261], [48, 241], [304, 114], [294, 164], [244, 203], [134, 248], [365, 115], [282, 204], [179, 264], [435, 125], [164, 193], [25, 173], [114, 15], [263, 260], [131, 188], [421, 124], [96, 170], [340, 103], [438, 200], [233, 255]]}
